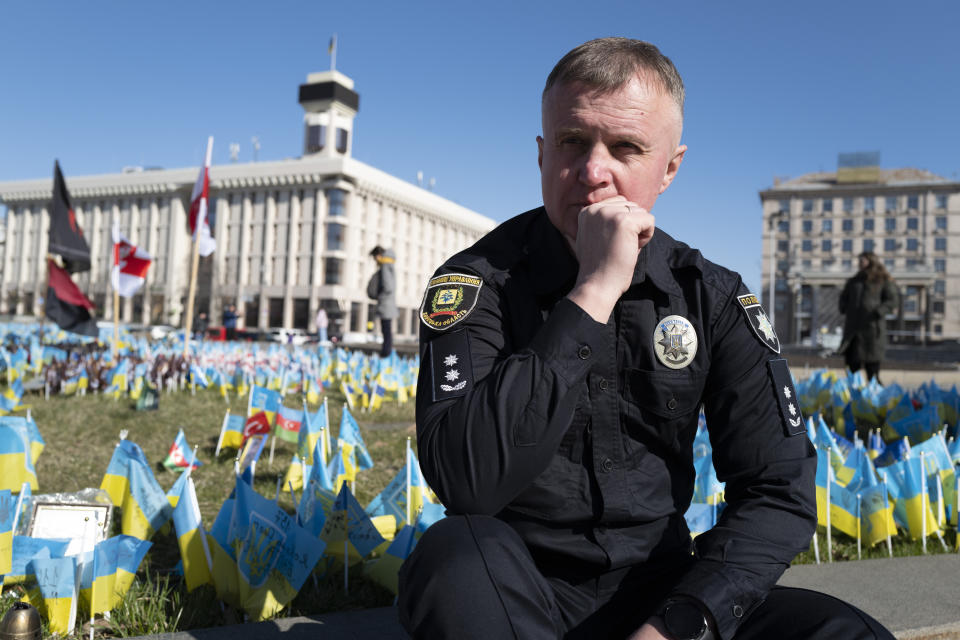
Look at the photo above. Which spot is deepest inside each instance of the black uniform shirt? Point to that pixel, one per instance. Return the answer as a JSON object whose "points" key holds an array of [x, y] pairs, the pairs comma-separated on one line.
{"points": [[580, 437]]}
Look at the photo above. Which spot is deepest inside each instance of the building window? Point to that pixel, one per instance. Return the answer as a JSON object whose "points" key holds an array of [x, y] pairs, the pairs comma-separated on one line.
{"points": [[847, 265], [807, 264], [336, 199], [807, 205], [913, 224], [847, 224], [889, 263], [938, 329], [335, 233], [940, 265], [890, 224], [913, 244], [827, 226], [868, 203], [783, 246], [890, 204], [783, 265], [826, 246], [807, 226], [332, 271], [355, 316], [848, 205], [868, 244], [829, 263], [783, 225], [940, 244], [316, 135], [807, 245], [890, 244], [785, 206], [941, 201], [913, 201], [914, 263], [342, 136], [941, 222], [868, 224], [827, 204], [940, 287], [847, 246]]}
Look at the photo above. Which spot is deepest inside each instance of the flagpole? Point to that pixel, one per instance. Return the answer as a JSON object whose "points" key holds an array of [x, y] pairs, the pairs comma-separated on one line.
{"points": [[116, 287], [408, 479], [195, 262]]}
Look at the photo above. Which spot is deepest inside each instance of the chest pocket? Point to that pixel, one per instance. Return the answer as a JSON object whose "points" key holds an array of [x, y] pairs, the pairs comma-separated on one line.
{"points": [[661, 408]]}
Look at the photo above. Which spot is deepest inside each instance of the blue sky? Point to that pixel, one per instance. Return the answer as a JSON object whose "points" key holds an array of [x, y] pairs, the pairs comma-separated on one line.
{"points": [[452, 89]]}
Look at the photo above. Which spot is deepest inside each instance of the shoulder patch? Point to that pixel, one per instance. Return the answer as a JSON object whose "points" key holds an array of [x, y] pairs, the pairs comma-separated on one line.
{"points": [[449, 299], [450, 365], [786, 397], [759, 322]]}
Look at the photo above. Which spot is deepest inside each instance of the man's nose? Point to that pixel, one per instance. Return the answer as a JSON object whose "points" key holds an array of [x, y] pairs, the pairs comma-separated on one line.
{"points": [[595, 172]]}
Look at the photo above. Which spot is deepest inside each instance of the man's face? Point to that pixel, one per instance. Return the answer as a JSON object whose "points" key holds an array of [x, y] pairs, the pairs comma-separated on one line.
{"points": [[599, 145]]}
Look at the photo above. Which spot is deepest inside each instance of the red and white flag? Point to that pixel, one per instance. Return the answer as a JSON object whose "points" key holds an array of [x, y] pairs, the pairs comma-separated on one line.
{"points": [[130, 265], [197, 220]]}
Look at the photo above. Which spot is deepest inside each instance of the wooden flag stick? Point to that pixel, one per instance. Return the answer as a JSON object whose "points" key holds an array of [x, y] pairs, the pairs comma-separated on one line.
{"points": [[116, 290], [194, 266]]}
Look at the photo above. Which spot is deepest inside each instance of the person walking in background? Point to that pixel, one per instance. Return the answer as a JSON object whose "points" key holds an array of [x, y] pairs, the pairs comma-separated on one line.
{"points": [[867, 298], [200, 326], [322, 323], [230, 321], [383, 288]]}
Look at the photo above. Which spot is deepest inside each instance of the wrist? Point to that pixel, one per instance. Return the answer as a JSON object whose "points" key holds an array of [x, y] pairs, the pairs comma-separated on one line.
{"points": [[596, 300]]}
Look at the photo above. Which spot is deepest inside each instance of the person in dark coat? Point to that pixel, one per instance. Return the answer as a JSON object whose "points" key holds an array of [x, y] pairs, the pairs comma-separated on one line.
{"points": [[867, 299], [383, 288]]}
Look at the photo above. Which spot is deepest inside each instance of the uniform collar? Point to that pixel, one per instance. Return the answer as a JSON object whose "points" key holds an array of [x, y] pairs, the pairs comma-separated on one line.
{"points": [[553, 267]]}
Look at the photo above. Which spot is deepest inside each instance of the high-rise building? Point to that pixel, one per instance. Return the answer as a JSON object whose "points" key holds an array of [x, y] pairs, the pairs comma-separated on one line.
{"points": [[816, 225], [291, 235]]}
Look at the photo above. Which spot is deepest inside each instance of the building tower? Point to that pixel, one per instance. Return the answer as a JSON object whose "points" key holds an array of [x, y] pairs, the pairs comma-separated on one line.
{"points": [[330, 105]]}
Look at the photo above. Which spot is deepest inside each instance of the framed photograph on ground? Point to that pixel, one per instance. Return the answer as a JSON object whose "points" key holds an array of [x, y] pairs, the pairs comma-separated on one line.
{"points": [[83, 523]]}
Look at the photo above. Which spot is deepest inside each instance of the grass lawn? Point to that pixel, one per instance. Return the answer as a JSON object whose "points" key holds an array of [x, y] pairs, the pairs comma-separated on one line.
{"points": [[81, 432]]}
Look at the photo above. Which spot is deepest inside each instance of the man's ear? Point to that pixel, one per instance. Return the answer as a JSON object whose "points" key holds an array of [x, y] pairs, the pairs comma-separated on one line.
{"points": [[672, 167], [540, 152]]}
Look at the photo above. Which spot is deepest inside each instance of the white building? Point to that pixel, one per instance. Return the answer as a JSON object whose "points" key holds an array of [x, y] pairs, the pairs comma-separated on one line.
{"points": [[291, 235]]}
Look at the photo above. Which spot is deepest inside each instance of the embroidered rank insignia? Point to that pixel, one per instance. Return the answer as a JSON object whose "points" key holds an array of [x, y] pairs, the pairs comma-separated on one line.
{"points": [[786, 397], [449, 299], [759, 321], [675, 342], [451, 367]]}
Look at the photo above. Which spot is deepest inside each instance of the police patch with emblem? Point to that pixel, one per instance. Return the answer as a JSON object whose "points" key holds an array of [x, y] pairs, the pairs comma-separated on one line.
{"points": [[450, 365], [675, 342], [449, 299], [759, 321], [786, 397]]}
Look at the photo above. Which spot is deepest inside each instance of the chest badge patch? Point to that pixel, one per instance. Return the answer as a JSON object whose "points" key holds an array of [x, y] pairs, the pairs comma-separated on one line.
{"points": [[449, 299], [759, 321], [675, 342]]}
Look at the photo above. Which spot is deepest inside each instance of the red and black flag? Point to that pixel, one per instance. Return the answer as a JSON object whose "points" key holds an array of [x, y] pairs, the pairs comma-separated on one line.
{"points": [[66, 305], [66, 237]]}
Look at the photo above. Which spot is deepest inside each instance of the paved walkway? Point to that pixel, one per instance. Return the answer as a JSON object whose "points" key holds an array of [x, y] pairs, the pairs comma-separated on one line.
{"points": [[917, 598]]}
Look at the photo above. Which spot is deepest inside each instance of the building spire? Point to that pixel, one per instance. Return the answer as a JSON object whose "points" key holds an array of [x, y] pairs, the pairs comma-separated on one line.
{"points": [[332, 51]]}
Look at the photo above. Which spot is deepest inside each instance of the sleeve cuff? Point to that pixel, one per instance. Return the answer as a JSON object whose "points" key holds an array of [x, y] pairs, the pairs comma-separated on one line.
{"points": [[707, 583]]}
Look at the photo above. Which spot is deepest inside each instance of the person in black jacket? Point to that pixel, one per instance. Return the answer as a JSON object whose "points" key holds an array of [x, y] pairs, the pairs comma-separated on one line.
{"points": [[866, 300], [565, 358]]}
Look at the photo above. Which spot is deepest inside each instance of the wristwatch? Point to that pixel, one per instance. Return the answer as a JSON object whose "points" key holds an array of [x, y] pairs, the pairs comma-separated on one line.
{"points": [[684, 620]]}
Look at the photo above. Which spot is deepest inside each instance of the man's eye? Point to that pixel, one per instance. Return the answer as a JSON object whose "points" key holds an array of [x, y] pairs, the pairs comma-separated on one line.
{"points": [[627, 146], [571, 140]]}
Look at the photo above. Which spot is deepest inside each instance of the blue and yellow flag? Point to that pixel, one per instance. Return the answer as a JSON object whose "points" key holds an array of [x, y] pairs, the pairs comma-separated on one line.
{"points": [[8, 512], [384, 571], [311, 432], [194, 552], [37, 443], [876, 514], [351, 442], [906, 482], [108, 578], [56, 591], [349, 522], [26, 549], [844, 510], [231, 432], [16, 460], [265, 400], [116, 480], [274, 554], [318, 497], [132, 486]]}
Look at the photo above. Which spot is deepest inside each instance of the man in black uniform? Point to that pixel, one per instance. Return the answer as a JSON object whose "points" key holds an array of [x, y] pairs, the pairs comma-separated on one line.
{"points": [[565, 357]]}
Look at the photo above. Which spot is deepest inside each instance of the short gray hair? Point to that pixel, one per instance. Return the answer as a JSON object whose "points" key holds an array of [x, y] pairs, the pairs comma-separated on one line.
{"points": [[607, 64]]}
